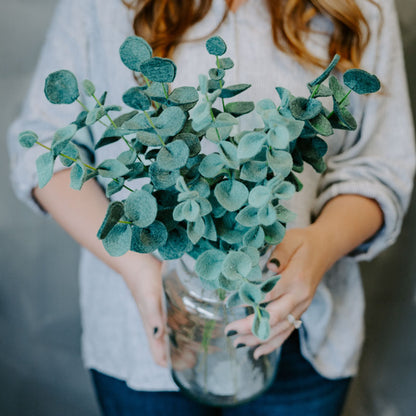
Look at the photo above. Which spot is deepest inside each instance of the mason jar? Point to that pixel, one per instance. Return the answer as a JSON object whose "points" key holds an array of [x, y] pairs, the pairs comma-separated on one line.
{"points": [[204, 362]]}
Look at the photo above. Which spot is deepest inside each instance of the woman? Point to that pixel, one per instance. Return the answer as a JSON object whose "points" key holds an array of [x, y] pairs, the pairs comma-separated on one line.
{"points": [[350, 213]]}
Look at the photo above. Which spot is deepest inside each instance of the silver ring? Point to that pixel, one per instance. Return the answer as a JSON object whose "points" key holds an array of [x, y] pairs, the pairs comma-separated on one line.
{"points": [[297, 323]]}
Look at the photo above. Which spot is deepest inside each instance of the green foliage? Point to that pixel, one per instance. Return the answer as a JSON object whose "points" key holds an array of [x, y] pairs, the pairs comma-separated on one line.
{"points": [[216, 46], [61, 87], [28, 139], [225, 208]]}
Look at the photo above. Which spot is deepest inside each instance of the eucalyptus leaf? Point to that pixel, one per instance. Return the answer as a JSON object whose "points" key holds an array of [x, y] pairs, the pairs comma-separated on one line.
{"points": [[250, 145], [259, 196], [44, 168], [254, 237], [209, 264], [112, 168], [115, 212], [135, 98], [321, 78], [216, 46], [71, 151], [254, 171], [250, 294], [231, 194], [118, 240], [261, 325], [211, 165], [236, 265], [239, 108], [158, 69], [248, 216], [304, 108], [61, 87], [280, 162], [274, 233], [234, 90], [361, 81], [225, 63], [28, 139], [78, 176], [134, 51], [149, 239], [88, 87], [196, 230], [173, 156], [141, 208], [176, 245]]}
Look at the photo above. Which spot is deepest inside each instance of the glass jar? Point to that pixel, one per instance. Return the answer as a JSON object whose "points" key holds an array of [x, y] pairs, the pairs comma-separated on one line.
{"points": [[204, 362]]}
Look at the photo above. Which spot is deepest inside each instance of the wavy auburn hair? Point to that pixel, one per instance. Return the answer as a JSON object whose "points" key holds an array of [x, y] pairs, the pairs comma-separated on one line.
{"points": [[164, 22]]}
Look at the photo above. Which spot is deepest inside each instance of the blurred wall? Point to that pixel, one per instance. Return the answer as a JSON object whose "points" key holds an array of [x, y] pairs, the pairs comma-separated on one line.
{"points": [[41, 373]]}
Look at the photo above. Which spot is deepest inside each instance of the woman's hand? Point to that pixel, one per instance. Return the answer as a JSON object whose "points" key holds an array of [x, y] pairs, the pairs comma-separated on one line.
{"points": [[143, 276], [305, 255], [302, 260]]}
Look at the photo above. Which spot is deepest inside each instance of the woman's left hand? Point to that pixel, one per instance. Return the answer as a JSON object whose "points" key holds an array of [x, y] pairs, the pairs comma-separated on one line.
{"points": [[303, 261]]}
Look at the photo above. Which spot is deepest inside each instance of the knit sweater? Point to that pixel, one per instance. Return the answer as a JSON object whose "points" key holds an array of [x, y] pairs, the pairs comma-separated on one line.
{"points": [[376, 160]]}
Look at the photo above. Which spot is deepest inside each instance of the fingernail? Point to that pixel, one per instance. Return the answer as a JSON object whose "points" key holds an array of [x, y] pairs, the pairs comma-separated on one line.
{"points": [[275, 261], [240, 345], [231, 333], [155, 330]]}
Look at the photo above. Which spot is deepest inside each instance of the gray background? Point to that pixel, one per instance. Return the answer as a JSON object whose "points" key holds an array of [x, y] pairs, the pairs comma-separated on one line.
{"points": [[40, 366]]}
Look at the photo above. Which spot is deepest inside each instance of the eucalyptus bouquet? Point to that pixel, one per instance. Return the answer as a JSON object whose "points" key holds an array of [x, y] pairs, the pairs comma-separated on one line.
{"points": [[224, 209]]}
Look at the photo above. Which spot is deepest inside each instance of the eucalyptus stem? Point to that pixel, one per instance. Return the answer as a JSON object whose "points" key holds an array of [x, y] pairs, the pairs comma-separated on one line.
{"points": [[343, 99], [112, 121], [221, 84], [87, 110], [79, 160], [213, 119], [165, 91], [154, 127], [315, 90]]}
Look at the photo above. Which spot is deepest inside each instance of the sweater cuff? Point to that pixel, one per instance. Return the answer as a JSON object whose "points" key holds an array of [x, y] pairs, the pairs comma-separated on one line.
{"points": [[389, 205]]}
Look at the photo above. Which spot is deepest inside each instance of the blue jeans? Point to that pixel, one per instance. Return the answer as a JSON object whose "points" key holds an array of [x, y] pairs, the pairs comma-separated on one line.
{"points": [[298, 390]]}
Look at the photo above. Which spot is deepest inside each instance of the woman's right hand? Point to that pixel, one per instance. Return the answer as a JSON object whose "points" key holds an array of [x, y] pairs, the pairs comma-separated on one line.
{"points": [[143, 276]]}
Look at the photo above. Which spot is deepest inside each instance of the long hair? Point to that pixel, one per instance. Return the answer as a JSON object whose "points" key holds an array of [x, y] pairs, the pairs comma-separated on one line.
{"points": [[164, 22]]}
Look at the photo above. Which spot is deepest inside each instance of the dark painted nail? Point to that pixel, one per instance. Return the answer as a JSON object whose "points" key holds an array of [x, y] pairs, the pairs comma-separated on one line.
{"points": [[240, 345], [155, 330], [231, 333], [275, 261]]}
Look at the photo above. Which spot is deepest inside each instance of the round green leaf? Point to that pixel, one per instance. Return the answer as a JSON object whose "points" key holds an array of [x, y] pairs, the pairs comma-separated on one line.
{"points": [[250, 293], [209, 264], [141, 208], [184, 95], [236, 265], [112, 168], [225, 63], [248, 217], [61, 87], [176, 245], [216, 46], [44, 167], [163, 179], [149, 239], [135, 98], [361, 81], [118, 240], [280, 162], [211, 165], [259, 196], [304, 108], [158, 69], [254, 237], [173, 156], [134, 51], [88, 87], [231, 194], [216, 73], [28, 139], [250, 145]]}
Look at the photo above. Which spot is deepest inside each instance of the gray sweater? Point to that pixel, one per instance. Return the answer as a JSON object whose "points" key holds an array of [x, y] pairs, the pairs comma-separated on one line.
{"points": [[377, 161]]}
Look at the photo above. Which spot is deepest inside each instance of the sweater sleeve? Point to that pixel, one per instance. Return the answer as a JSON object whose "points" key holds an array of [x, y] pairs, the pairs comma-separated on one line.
{"points": [[378, 159], [65, 47]]}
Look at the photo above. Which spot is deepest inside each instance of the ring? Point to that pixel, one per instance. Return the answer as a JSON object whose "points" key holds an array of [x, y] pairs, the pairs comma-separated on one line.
{"points": [[297, 323]]}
